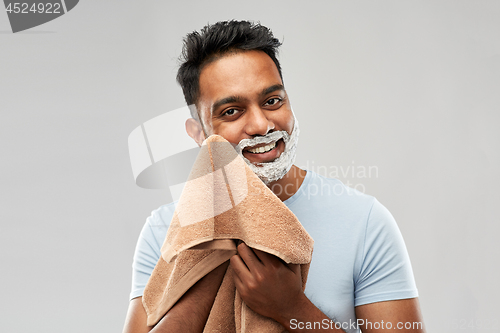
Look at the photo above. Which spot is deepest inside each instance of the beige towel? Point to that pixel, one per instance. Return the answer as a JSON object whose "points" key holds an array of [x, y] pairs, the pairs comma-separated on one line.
{"points": [[223, 201]]}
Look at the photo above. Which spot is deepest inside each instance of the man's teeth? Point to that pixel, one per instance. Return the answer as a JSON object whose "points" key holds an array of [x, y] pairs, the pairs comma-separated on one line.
{"points": [[263, 149]]}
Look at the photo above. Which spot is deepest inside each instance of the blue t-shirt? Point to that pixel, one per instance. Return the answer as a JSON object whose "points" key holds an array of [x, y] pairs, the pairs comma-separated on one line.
{"points": [[359, 255]]}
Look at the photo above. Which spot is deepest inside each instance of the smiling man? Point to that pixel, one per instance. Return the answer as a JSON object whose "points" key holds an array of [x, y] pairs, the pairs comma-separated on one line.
{"points": [[360, 275], [242, 98]]}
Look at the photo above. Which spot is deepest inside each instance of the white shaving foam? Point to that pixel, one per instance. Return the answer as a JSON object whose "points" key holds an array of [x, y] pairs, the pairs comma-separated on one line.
{"points": [[272, 171]]}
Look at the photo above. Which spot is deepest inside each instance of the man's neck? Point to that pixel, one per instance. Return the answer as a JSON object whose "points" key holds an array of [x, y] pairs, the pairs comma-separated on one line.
{"points": [[287, 186]]}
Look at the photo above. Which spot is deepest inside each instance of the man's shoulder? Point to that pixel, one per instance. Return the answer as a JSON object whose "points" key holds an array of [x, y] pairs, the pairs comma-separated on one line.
{"points": [[162, 215]]}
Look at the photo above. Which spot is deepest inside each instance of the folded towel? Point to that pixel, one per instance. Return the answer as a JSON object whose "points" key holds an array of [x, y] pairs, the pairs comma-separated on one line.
{"points": [[223, 201]]}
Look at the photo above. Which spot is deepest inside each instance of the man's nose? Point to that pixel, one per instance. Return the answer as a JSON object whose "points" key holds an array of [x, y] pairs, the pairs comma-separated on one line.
{"points": [[258, 122]]}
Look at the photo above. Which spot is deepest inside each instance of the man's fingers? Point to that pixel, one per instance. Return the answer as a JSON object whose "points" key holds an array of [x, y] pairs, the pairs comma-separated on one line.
{"points": [[263, 256], [249, 257], [256, 257], [240, 269], [295, 268], [268, 259]]}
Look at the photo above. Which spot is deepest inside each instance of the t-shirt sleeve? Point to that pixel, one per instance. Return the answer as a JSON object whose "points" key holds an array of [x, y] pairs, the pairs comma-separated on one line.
{"points": [[385, 272], [148, 250]]}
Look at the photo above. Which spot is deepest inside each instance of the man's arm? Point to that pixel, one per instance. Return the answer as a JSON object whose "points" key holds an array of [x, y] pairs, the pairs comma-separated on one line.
{"points": [[135, 322], [401, 315], [273, 289], [189, 314]]}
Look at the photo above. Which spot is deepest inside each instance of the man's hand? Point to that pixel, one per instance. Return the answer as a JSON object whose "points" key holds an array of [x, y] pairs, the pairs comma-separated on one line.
{"points": [[274, 289], [266, 284]]}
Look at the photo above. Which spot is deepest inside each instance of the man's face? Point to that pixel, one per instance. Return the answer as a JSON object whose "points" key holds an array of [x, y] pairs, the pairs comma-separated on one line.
{"points": [[242, 97]]}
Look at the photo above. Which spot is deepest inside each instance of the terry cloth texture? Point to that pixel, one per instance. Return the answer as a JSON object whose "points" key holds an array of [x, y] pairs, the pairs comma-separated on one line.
{"points": [[223, 201]]}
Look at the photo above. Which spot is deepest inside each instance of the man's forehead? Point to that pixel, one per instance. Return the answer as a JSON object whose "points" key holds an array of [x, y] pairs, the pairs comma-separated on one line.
{"points": [[239, 77]]}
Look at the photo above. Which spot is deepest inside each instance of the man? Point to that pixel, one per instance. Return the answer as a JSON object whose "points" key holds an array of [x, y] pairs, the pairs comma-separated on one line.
{"points": [[360, 271]]}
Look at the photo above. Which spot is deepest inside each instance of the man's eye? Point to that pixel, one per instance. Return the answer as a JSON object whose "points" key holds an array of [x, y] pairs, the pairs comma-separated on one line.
{"points": [[273, 101], [230, 112]]}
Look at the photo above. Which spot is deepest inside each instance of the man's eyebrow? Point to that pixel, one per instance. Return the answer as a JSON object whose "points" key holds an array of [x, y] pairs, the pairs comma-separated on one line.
{"points": [[226, 100], [237, 99], [271, 89]]}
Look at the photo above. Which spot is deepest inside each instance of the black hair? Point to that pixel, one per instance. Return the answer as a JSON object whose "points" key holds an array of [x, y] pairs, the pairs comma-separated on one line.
{"points": [[215, 41]]}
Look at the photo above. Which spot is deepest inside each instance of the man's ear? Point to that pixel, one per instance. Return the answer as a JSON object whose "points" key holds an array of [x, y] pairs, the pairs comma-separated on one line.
{"points": [[194, 130]]}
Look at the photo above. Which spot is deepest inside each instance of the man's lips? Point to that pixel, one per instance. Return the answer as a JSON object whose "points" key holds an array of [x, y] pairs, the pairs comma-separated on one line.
{"points": [[247, 149], [268, 156]]}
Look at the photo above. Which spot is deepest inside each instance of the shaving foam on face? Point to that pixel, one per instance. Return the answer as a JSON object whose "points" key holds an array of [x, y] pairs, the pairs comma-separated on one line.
{"points": [[277, 169]]}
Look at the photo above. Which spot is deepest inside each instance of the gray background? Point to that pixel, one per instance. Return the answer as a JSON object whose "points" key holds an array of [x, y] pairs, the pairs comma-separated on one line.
{"points": [[410, 87]]}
